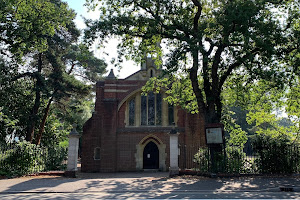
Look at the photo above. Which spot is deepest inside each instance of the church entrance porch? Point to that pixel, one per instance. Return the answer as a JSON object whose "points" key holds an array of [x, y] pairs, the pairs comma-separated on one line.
{"points": [[151, 156]]}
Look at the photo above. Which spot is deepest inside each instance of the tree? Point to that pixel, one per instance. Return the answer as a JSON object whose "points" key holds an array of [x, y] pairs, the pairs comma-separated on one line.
{"points": [[293, 105], [208, 42], [40, 37], [25, 25], [15, 101]]}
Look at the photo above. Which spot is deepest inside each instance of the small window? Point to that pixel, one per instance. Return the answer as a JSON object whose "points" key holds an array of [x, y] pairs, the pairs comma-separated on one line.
{"points": [[97, 153]]}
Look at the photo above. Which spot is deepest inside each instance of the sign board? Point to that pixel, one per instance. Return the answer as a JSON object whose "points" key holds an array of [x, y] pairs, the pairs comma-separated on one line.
{"points": [[214, 135]]}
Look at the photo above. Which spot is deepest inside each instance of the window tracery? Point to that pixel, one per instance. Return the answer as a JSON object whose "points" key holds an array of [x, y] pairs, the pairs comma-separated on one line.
{"points": [[149, 110]]}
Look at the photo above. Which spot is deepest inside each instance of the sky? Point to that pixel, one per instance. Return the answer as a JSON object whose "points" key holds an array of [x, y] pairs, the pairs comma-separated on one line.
{"points": [[128, 67]]}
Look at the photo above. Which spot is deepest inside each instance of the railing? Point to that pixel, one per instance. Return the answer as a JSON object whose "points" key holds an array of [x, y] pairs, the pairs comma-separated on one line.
{"points": [[234, 160]]}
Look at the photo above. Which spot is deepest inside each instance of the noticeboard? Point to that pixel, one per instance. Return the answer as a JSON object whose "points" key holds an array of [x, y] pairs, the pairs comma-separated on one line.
{"points": [[214, 135]]}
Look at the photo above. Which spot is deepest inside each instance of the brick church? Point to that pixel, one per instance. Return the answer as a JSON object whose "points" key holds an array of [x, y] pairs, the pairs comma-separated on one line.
{"points": [[130, 132]]}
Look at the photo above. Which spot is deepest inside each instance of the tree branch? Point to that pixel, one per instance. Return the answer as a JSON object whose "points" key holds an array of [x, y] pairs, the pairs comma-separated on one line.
{"points": [[235, 65], [198, 14], [216, 62], [212, 45]]}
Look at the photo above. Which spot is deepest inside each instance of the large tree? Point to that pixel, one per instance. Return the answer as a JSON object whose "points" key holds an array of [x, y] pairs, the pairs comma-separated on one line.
{"points": [[207, 42], [41, 38]]}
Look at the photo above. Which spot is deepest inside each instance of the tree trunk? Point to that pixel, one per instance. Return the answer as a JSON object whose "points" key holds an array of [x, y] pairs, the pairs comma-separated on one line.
{"points": [[195, 85], [46, 112], [43, 122], [33, 115]]}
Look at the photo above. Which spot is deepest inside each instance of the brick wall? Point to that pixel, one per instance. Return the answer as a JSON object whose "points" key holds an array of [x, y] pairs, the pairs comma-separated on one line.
{"points": [[106, 129]]}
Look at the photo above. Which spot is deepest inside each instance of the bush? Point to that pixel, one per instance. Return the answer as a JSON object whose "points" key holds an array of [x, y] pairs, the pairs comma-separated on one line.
{"points": [[273, 154], [23, 158], [202, 159], [233, 162], [276, 154], [55, 158], [235, 159], [26, 158]]}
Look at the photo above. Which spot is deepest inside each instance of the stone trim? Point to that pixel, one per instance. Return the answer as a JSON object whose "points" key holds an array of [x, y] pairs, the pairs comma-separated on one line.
{"points": [[114, 90], [120, 85], [140, 149], [148, 129]]}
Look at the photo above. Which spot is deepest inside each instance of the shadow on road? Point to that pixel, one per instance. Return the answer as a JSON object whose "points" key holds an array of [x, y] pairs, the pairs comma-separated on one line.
{"points": [[146, 185]]}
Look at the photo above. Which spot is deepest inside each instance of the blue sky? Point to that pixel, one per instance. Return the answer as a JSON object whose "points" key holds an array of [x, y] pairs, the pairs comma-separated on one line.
{"points": [[129, 67], [77, 5]]}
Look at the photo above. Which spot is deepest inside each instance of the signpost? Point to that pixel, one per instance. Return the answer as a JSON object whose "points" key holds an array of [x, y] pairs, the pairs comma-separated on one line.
{"points": [[214, 134]]}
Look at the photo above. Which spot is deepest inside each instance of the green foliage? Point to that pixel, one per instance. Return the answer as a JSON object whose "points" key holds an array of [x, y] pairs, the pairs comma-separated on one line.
{"points": [[57, 67], [237, 137], [202, 159], [178, 89], [26, 25], [24, 158], [56, 132], [293, 104], [15, 102], [235, 159], [209, 43], [276, 154], [56, 157], [83, 61], [21, 160], [264, 101], [272, 155], [233, 162]]}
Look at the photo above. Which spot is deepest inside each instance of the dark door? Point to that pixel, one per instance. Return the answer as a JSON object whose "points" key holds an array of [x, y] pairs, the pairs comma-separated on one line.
{"points": [[151, 156]]}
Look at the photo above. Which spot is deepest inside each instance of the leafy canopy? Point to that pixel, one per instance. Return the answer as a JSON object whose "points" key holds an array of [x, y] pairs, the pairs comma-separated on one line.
{"points": [[206, 41], [25, 25]]}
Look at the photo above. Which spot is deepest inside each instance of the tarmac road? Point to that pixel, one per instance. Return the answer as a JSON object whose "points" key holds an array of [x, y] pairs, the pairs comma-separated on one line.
{"points": [[152, 195], [147, 185]]}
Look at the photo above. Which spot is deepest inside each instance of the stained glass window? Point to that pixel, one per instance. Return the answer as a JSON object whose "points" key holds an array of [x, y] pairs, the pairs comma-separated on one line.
{"points": [[143, 110], [131, 112], [158, 109], [151, 109]]}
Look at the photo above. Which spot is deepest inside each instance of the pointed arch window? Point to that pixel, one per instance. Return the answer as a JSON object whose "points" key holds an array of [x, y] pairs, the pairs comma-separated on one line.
{"points": [[132, 112], [151, 109]]}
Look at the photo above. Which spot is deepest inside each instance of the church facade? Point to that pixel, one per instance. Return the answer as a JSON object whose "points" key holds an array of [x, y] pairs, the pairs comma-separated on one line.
{"points": [[130, 132]]}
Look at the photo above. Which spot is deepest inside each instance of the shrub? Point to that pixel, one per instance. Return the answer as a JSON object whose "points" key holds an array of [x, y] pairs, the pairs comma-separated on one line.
{"points": [[276, 154], [26, 158], [23, 158], [235, 159], [202, 159]]}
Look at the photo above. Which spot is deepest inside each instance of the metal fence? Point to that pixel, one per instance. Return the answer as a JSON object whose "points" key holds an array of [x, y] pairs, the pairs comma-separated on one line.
{"points": [[21, 159], [235, 160]]}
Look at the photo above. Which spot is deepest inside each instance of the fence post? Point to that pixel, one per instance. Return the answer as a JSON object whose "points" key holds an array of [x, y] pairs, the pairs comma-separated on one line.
{"points": [[174, 169], [72, 153]]}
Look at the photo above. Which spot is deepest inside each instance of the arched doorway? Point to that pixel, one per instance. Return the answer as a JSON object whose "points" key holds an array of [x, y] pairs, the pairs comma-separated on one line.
{"points": [[151, 156]]}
